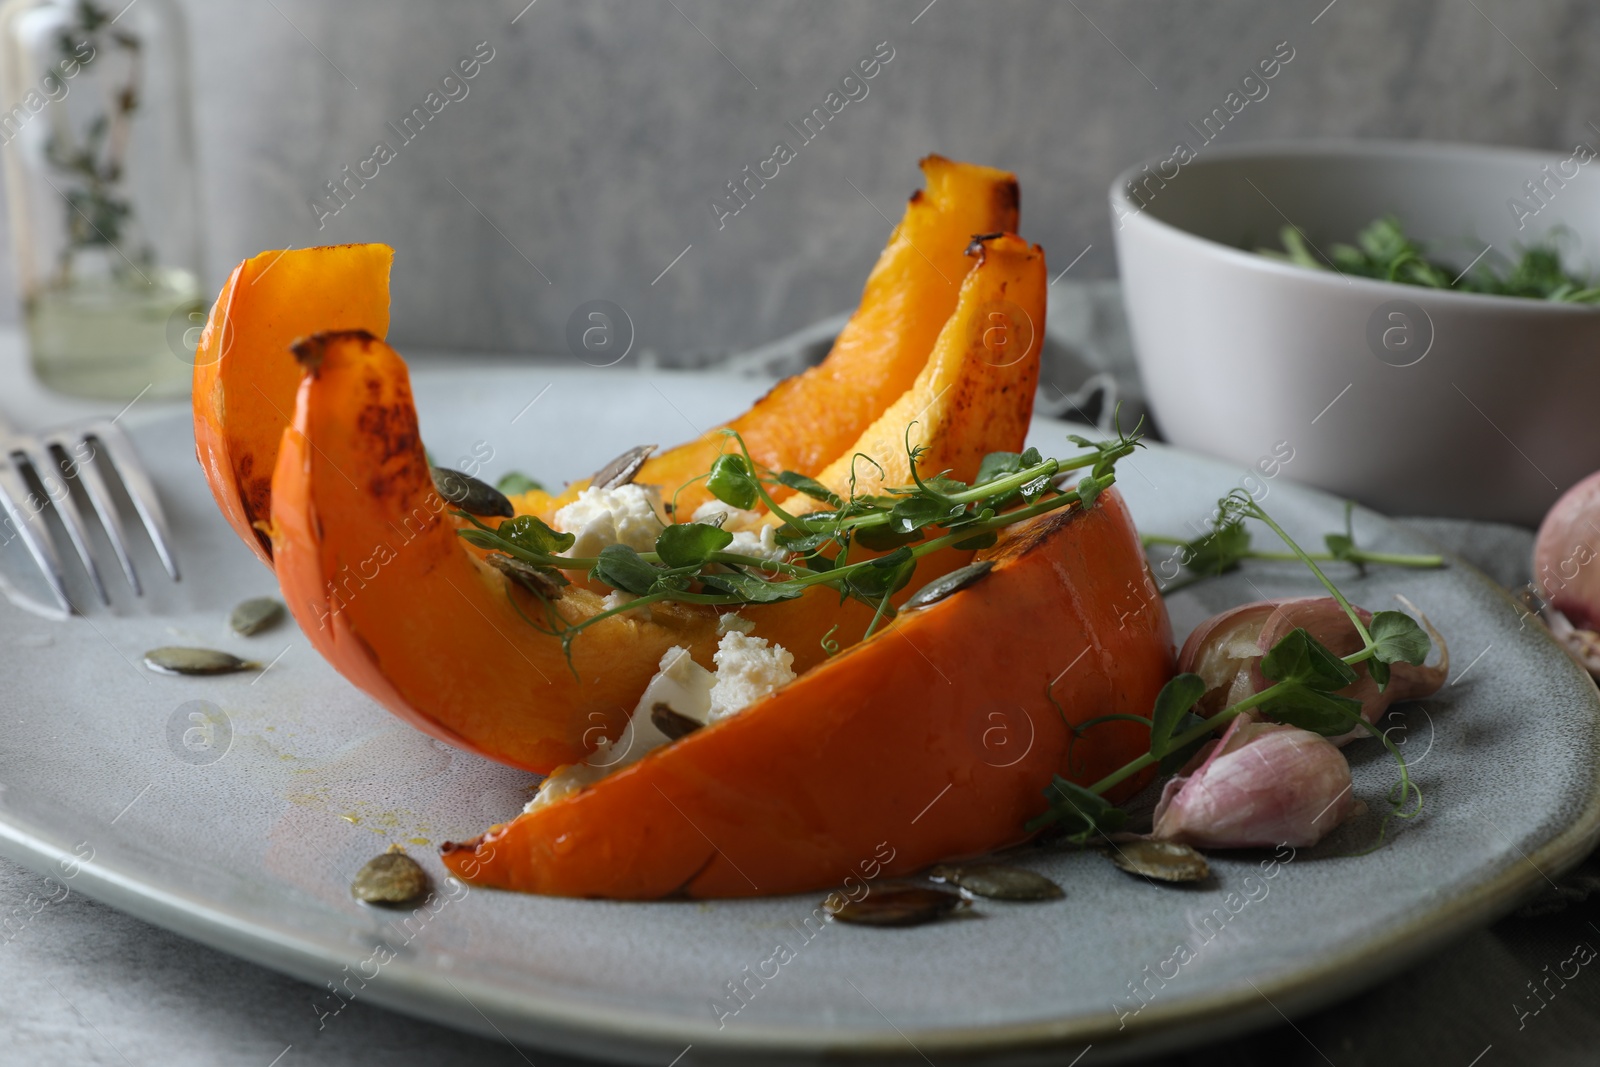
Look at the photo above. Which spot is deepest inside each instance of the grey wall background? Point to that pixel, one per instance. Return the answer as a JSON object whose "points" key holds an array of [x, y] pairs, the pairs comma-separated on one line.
{"points": [[597, 136]]}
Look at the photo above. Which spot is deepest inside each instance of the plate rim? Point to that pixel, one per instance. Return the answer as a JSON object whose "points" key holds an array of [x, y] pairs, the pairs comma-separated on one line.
{"points": [[575, 1027]]}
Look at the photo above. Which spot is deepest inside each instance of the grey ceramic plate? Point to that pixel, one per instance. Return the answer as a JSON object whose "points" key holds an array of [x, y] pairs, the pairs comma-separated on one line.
{"points": [[240, 821]]}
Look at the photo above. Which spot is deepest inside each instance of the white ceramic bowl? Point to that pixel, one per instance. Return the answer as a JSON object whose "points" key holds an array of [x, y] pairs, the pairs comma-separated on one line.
{"points": [[1412, 400]]}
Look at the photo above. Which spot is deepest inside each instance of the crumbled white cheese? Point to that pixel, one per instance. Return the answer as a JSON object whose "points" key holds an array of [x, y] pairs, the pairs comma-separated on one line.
{"points": [[620, 597], [680, 683], [763, 544], [733, 621], [748, 668], [627, 515]]}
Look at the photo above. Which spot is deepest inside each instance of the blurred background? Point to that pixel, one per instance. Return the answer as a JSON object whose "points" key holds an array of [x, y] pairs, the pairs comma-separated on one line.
{"points": [[587, 154]]}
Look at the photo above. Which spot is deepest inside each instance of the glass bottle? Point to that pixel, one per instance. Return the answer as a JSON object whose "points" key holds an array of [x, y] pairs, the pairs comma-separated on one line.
{"points": [[96, 124]]}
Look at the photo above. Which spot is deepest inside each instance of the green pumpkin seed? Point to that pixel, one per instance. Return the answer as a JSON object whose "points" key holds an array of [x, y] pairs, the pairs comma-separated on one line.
{"points": [[621, 470], [174, 659], [895, 904], [470, 495], [256, 614], [1161, 860], [944, 585], [541, 581], [392, 878], [998, 882], [672, 723]]}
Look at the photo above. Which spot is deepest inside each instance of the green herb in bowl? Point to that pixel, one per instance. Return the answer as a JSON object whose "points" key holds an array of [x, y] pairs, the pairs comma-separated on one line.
{"points": [[1383, 251]]}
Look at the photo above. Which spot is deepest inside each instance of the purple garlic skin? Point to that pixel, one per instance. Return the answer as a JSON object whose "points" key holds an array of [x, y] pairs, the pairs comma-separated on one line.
{"points": [[1566, 570], [1226, 651], [1262, 785]]}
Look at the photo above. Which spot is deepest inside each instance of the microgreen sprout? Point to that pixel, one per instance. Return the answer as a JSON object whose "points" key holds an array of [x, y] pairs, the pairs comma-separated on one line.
{"points": [[1305, 679], [1227, 544], [865, 546]]}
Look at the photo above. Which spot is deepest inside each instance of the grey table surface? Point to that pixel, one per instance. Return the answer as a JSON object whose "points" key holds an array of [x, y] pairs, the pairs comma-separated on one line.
{"points": [[81, 983]]}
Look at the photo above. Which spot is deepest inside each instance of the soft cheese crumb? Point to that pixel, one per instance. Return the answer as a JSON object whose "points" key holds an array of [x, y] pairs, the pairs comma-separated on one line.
{"points": [[627, 515], [748, 668]]}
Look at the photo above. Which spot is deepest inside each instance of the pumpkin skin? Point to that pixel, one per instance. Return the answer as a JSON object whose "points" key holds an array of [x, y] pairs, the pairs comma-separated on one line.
{"points": [[244, 380], [806, 422], [370, 563], [884, 759]]}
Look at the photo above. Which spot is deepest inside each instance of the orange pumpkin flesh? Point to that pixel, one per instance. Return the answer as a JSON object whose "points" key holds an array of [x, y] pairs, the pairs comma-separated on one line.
{"points": [[372, 568], [932, 740], [975, 388], [244, 380], [807, 421]]}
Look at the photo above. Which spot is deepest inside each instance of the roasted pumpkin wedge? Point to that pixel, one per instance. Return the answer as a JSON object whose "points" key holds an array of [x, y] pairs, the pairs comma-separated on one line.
{"points": [[244, 380], [931, 740], [370, 563], [975, 388], [807, 421]]}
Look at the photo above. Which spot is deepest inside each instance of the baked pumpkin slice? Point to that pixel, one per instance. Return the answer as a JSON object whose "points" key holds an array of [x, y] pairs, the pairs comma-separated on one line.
{"points": [[932, 740], [372, 565], [245, 383], [805, 422]]}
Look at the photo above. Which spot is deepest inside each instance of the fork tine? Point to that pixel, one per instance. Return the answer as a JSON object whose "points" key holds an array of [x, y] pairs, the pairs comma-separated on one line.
{"points": [[141, 490], [14, 495], [94, 483], [67, 511]]}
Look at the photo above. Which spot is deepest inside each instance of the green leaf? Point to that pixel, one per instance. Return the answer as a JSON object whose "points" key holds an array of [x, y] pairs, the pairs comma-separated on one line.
{"points": [[690, 544], [884, 575], [482, 538], [1174, 760], [997, 465], [800, 540], [1379, 671], [1175, 699], [1078, 812], [883, 538], [531, 534], [1090, 487], [1301, 659], [752, 587], [1324, 713], [978, 542], [1398, 639], [1032, 490], [1339, 545], [621, 567], [810, 487], [914, 512], [943, 484], [1218, 551], [732, 483], [515, 483]]}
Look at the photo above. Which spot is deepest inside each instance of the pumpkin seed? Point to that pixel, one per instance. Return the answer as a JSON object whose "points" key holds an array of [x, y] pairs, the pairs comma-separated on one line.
{"points": [[674, 724], [392, 878], [896, 904], [621, 470], [998, 882], [174, 659], [1162, 860], [256, 614], [537, 580], [471, 495], [945, 584]]}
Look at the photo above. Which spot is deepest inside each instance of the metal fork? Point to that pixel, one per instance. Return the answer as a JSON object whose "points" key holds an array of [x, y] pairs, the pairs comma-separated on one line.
{"points": [[36, 470]]}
